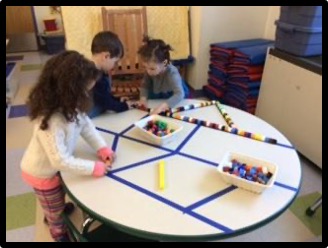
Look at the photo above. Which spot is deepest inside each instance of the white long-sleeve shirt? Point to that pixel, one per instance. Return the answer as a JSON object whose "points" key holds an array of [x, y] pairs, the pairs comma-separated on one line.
{"points": [[51, 150]]}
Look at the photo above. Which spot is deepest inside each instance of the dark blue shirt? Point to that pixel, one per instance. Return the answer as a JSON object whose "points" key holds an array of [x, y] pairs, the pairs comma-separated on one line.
{"points": [[103, 97]]}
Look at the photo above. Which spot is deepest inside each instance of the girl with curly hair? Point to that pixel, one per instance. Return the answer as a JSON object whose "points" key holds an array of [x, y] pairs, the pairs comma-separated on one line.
{"points": [[58, 105]]}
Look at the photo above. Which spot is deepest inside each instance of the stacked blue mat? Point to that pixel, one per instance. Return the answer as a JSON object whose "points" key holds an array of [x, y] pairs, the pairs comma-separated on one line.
{"points": [[235, 72]]}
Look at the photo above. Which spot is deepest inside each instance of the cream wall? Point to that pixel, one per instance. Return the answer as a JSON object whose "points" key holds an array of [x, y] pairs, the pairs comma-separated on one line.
{"points": [[211, 24], [195, 28], [169, 23], [208, 24], [43, 12], [270, 29]]}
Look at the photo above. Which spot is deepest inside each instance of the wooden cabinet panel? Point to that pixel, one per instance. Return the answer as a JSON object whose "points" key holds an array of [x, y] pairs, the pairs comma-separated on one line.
{"points": [[19, 19]]}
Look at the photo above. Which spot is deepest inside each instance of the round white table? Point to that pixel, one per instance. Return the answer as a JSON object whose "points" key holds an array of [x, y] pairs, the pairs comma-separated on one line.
{"points": [[196, 204]]}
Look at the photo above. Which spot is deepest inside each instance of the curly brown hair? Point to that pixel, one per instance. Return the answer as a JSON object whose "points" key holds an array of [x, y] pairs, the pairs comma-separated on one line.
{"points": [[155, 50], [63, 87]]}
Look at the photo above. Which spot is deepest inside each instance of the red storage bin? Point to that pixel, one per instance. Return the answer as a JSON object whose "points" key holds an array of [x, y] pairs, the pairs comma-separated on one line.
{"points": [[50, 24]]}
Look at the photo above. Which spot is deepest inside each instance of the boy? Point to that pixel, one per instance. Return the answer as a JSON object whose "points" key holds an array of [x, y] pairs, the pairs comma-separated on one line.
{"points": [[107, 50]]}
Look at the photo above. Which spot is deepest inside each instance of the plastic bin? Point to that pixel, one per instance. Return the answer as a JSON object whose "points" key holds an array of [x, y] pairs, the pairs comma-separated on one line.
{"points": [[54, 43], [241, 182], [298, 40], [156, 139], [309, 16]]}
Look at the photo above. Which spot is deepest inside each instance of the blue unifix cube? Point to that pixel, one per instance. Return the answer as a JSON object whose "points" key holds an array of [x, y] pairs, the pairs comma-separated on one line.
{"points": [[253, 171], [242, 172]]}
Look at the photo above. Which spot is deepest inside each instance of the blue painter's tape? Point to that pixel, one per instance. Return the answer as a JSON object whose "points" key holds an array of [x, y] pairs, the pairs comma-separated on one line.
{"points": [[106, 131], [211, 197], [115, 142], [171, 204], [210, 222], [287, 146], [188, 138], [147, 192], [127, 129], [285, 186], [146, 143], [140, 163], [199, 159]]}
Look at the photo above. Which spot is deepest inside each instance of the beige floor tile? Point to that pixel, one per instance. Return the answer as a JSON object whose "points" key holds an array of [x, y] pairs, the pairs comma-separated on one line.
{"points": [[286, 228], [22, 94], [28, 77], [42, 231], [14, 183], [18, 132], [24, 234]]}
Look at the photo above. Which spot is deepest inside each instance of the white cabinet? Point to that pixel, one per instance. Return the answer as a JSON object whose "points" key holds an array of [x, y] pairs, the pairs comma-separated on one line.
{"points": [[291, 100]]}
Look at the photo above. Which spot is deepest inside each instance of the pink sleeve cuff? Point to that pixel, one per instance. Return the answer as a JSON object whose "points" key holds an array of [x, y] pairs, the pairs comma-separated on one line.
{"points": [[104, 153], [99, 169]]}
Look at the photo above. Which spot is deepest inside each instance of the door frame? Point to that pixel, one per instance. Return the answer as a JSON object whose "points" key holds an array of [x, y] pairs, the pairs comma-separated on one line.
{"points": [[35, 28]]}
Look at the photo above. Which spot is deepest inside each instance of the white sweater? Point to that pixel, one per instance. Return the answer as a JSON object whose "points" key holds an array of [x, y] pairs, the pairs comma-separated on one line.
{"points": [[51, 150]]}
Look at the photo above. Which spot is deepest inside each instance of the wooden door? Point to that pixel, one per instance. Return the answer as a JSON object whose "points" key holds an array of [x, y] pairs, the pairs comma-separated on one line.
{"points": [[19, 19]]}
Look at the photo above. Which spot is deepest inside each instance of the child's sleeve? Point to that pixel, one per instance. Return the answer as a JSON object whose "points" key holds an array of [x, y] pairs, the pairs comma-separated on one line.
{"points": [[175, 82], [103, 96], [90, 134], [108, 101], [54, 145], [145, 86]]}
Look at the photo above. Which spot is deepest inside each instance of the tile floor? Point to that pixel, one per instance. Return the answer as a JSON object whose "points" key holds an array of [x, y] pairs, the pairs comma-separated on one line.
{"points": [[24, 218]]}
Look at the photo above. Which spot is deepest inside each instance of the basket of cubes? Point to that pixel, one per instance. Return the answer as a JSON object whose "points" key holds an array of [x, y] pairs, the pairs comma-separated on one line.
{"points": [[247, 172], [158, 130]]}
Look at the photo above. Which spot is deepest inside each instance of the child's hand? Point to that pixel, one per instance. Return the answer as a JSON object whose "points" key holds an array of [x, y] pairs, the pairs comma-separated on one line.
{"points": [[138, 104], [142, 102], [106, 155], [161, 108], [100, 169], [132, 104], [124, 99], [110, 160], [108, 164], [103, 167]]}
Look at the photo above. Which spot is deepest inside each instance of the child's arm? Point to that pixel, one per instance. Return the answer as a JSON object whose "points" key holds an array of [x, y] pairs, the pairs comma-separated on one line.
{"points": [[103, 97], [90, 134], [110, 102], [175, 82], [146, 83], [160, 108], [96, 141], [173, 79], [53, 141]]}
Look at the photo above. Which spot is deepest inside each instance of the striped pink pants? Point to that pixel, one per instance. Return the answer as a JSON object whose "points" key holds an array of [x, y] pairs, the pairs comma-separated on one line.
{"points": [[53, 204]]}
